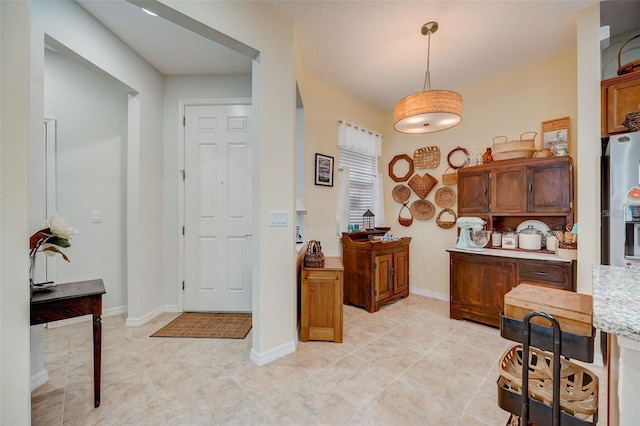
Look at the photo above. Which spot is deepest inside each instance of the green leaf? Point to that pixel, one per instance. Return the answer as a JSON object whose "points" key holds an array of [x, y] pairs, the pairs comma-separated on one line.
{"points": [[60, 242]]}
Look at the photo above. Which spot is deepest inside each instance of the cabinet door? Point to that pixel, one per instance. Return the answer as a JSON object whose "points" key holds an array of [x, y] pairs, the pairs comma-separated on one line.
{"points": [[473, 192], [507, 189], [383, 285], [321, 299], [478, 285], [622, 98], [400, 271], [549, 187]]}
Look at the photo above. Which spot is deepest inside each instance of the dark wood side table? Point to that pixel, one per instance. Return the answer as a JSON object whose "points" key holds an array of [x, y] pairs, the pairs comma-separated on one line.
{"points": [[73, 300]]}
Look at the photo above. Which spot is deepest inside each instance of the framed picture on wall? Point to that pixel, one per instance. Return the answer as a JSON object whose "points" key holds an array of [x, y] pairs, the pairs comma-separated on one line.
{"points": [[324, 170], [555, 132]]}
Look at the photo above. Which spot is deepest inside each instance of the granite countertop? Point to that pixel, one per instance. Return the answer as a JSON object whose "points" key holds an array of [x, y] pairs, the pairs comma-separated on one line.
{"points": [[518, 254], [616, 300]]}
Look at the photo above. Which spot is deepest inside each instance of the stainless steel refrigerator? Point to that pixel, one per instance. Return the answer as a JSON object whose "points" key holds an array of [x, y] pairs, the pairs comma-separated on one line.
{"points": [[621, 200]]}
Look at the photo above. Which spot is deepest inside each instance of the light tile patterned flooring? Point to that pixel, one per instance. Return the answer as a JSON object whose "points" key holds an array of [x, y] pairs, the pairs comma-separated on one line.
{"points": [[406, 364]]}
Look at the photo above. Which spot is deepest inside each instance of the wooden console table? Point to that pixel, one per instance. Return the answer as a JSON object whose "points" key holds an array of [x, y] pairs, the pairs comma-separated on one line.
{"points": [[73, 300]]}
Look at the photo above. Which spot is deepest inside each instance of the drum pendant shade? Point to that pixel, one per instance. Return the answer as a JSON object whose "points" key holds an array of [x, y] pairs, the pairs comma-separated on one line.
{"points": [[430, 110]]}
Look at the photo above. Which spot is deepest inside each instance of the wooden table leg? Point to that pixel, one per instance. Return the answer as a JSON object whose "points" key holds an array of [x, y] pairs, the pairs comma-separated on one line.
{"points": [[97, 358]]}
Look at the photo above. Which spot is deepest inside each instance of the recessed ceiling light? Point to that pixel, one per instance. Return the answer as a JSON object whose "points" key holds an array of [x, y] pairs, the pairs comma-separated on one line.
{"points": [[148, 12]]}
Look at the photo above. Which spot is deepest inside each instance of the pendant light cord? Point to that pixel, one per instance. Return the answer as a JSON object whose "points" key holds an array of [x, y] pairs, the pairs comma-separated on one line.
{"points": [[427, 76]]}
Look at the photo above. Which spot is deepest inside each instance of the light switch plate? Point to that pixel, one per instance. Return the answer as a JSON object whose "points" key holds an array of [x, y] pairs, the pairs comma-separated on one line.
{"points": [[96, 216], [278, 218]]}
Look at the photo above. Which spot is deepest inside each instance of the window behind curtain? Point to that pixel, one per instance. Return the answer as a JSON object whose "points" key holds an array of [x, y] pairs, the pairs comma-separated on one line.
{"points": [[362, 172]]}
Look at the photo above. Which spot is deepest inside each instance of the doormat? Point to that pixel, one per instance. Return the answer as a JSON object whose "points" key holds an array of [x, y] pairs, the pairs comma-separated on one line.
{"points": [[222, 325]]}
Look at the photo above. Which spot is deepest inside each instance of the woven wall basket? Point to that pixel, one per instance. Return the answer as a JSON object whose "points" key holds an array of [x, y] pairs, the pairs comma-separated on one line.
{"points": [[446, 224], [450, 177], [422, 209], [405, 221], [422, 185], [427, 157]]}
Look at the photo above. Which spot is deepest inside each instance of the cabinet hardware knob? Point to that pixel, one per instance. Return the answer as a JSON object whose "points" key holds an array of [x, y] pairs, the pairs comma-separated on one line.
{"points": [[540, 273]]}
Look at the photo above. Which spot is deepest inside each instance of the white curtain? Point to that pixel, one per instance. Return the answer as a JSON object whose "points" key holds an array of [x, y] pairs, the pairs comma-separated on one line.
{"points": [[378, 200], [359, 139], [342, 212]]}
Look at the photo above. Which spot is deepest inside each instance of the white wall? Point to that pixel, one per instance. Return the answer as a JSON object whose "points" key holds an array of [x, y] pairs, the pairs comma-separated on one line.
{"points": [[273, 90], [14, 234], [70, 26], [179, 89], [588, 138], [91, 116]]}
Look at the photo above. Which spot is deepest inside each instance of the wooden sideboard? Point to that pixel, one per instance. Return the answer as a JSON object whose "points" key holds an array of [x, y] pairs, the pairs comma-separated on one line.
{"points": [[375, 272], [506, 193], [478, 282]]}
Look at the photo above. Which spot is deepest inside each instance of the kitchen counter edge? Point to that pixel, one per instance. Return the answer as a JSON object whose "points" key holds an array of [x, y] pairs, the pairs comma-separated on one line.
{"points": [[517, 254], [616, 300]]}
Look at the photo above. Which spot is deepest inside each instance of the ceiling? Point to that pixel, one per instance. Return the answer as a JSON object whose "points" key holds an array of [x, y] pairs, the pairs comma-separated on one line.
{"points": [[374, 49]]}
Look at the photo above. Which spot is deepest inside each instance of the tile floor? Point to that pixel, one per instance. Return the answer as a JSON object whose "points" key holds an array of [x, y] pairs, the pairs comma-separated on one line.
{"points": [[407, 364]]}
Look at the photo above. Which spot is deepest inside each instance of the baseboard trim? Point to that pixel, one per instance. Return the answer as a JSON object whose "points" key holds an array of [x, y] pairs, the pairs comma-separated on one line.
{"points": [[39, 379], [140, 321], [264, 358], [429, 293]]}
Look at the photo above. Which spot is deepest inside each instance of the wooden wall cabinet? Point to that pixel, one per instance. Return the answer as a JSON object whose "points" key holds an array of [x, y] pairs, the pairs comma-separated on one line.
{"points": [[519, 187], [375, 272], [321, 302], [478, 282], [473, 190], [619, 96]]}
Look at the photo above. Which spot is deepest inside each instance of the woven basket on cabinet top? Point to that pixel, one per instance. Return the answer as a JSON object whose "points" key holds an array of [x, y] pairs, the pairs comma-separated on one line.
{"points": [[632, 121], [522, 148]]}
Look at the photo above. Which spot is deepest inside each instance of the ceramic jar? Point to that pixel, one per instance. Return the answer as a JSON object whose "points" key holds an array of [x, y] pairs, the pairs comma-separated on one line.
{"points": [[530, 238], [510, 240], [496, 239]]}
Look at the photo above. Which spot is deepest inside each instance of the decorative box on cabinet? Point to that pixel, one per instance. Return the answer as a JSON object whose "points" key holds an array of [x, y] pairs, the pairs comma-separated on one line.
{"points": [[321, 301], [479, 282], [619, 96], [375, 272]]}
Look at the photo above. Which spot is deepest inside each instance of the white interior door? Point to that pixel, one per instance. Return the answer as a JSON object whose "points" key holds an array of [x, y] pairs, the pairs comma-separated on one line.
{"points": [[217, 263]]}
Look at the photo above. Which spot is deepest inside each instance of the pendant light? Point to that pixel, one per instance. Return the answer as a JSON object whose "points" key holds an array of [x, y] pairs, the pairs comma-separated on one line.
{"points": [[430, 110]]}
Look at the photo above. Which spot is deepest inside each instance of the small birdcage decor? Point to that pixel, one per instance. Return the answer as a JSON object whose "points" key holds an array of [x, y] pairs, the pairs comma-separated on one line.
{"points": [[368, 220]]}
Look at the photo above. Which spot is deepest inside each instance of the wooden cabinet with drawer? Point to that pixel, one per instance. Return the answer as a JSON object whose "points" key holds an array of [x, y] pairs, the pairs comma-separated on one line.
{"points": [[546, 273], [478, 282]]}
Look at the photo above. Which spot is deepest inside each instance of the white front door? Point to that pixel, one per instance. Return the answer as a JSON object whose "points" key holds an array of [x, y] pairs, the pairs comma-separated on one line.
{"points": [[217, 254]]}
